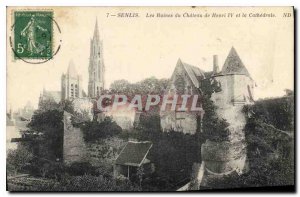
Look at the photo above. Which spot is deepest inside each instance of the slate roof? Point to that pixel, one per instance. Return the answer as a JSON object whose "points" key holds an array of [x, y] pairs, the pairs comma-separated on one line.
{"points": [[234, 65], [194, 73], [134, 153]]}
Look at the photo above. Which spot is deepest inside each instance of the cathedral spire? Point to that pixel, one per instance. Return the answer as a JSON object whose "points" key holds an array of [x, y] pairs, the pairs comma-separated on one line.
{"points": [[96, 65], [96, 31]]}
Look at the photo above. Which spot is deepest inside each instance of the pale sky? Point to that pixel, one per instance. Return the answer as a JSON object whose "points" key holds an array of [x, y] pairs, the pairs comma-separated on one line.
{"points": [[137, 48]]}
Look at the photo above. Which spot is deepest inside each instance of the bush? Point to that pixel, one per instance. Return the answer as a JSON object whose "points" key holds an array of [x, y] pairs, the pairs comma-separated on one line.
{"points": [[85, 168], [72, 183], [18, 159], [80, 168], [89, 183], [272, 172], [278, 112], [93, 130]]}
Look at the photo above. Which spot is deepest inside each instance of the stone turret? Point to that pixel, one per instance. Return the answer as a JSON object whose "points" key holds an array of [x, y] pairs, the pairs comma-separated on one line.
{"points": [[226, 157], [236, 82]]}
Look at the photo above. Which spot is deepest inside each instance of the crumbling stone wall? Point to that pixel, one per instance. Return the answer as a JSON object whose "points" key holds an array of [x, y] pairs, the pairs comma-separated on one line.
{"points": [[185, 122], [74, 148]]}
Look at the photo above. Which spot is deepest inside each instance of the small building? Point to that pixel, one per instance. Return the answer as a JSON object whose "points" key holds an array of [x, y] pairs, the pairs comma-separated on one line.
{"points": [[132, 158]]}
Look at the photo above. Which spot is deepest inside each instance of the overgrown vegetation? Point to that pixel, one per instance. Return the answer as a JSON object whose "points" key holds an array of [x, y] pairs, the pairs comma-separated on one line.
{"points": [[41, 156], [278, 112], [49, 126], [18, 159], [214, 128], [94, 130], [270, 145], [150, 85], [269, 137], [69, 183], [173, 153]]}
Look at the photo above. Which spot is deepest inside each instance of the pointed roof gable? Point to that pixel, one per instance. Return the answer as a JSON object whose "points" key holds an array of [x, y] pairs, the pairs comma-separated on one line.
{"points": [[72, 70], [96, 31], [234, 65], [193, 72]]}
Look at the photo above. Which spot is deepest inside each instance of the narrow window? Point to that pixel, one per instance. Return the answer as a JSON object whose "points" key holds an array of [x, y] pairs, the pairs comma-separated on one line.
{"points": [[97, 91], [76, 91], [72, 90]]}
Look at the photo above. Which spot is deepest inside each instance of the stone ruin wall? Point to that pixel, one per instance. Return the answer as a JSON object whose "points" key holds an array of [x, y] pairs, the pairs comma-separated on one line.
{"points": [[75, 149], [224, 158], [187, 125]]}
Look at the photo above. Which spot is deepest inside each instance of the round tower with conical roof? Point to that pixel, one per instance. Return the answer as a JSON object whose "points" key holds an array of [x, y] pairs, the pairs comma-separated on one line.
{"points": [[223, 158]]}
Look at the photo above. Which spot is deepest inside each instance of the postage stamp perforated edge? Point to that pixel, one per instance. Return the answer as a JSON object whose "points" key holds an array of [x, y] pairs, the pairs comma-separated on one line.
{"points": [[12, 34]]}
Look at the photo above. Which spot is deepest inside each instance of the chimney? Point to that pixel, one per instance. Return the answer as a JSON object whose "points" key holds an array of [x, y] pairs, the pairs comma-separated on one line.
{"points": [[215, 64]]}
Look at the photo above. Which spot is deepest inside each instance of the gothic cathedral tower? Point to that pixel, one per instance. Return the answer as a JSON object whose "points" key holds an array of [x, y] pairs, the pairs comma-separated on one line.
{"points": [[96, 66], [71, 83]]}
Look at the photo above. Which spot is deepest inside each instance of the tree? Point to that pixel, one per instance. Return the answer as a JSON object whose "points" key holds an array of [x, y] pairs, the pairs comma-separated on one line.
{"points": [[150, 85], [48, 104], [50, 125], [67, 106], [93, 130], [120, 87]]}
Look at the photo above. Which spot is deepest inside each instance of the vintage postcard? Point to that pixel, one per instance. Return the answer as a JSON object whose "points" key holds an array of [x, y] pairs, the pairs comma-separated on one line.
{"points": [[150, 99]]}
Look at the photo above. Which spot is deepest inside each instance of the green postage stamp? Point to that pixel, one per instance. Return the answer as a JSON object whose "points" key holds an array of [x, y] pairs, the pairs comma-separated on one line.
{"points": [[33, 34]]}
